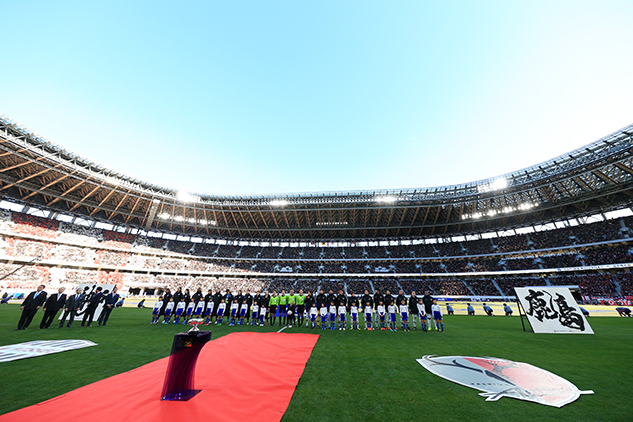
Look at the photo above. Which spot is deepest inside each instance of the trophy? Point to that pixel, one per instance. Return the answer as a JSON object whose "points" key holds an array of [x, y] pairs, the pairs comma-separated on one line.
{"points": [[194, 322]]}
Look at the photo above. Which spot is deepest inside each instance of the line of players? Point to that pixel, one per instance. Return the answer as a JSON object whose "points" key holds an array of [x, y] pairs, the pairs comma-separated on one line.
{"points": [[296, 308]]}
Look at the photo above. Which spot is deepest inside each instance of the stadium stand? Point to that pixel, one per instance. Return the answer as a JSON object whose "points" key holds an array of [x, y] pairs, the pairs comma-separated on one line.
{"points": [[71, 254]]}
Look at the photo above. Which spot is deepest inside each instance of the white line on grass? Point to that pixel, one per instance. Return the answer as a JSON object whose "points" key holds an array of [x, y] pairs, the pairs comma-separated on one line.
{"points": [[282, 329]]}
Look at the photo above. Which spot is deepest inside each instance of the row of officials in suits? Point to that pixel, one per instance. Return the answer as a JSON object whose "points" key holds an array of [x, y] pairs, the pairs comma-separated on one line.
{"points": [[83, 302]]}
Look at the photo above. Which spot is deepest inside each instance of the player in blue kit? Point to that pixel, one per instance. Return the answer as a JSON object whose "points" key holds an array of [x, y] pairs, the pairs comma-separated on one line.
{"points": [[342, 317], [353, 311], [199, 309], [404, 316], [221, 310], [507, 309], [243, 312], [168, 310], [262, 315], [437, 315], [189, 312], [208, 313], [180, 308], [234, 309], [422, 315], [323, 313], [368, 315], [157, 307], [381, 313], [255, 314], [313, 313], [391, 310], [332, 316]]}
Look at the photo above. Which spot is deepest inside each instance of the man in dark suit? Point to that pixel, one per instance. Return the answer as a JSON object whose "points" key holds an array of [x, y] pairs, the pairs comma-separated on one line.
{"points": [[73, 305], [31, 304], [110, 300], [53, 304], [93, 302]]}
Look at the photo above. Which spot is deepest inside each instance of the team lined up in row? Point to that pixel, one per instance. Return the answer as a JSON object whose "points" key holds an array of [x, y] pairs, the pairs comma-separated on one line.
{"points": [[328, 311]]}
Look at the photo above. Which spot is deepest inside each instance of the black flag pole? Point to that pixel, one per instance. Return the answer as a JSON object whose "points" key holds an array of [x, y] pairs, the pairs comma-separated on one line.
{"points": [[523, 314]]}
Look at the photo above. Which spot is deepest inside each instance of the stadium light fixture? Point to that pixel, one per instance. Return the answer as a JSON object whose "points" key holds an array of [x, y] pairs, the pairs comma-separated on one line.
{"points": [[179, 218], [186, 197], [386, 199], [164, 216], [278, 202], [497, 184]]}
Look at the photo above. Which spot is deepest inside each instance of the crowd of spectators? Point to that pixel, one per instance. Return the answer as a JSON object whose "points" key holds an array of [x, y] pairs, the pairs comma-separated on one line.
{"points": [[599, 285], [483, 287], [560, 261], [71, 243], [478, 247], [626, 283], [511, 243], [506, 284], [526, 263], [607, 255], [450, 249], [358, 286], [384, 284], [551, 238]]}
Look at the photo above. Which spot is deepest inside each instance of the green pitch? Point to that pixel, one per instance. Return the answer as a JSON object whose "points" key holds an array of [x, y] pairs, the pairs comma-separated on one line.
{"points": [[355, 376]]}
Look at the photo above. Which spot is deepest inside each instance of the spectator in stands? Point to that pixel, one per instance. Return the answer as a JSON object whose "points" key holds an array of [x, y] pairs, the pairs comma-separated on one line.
{"points": [[30, 306], [53, 304]]}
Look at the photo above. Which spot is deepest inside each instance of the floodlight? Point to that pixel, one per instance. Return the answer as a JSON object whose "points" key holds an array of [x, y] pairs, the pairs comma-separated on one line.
{"points": [[186, 197], [499, 184], [386, 199], [278, 202]]}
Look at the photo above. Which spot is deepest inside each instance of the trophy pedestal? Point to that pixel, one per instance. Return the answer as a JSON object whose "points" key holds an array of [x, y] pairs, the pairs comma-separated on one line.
{"points": [[178, 385]]}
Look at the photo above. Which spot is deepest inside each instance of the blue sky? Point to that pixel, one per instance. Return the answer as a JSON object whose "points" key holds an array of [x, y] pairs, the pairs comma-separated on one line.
{"points": [[258, 97]]}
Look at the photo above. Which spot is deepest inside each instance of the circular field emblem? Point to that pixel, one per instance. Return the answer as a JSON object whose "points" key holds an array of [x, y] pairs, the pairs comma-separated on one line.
{"points": [[504, 378]]}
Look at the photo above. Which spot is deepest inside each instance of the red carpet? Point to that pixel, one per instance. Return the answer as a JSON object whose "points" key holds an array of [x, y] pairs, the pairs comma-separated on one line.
{"points": [[243, 377]]}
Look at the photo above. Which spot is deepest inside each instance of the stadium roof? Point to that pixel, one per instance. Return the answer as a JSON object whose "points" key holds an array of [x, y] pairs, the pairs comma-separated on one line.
{"points": [[595, 178]]}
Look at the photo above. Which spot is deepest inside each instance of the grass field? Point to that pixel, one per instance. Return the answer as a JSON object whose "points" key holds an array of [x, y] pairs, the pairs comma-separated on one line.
{"points": [[356, 376]]}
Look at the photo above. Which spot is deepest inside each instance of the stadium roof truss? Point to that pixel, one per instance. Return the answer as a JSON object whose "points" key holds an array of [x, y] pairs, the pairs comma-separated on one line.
{"points": [[595, 178]]}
